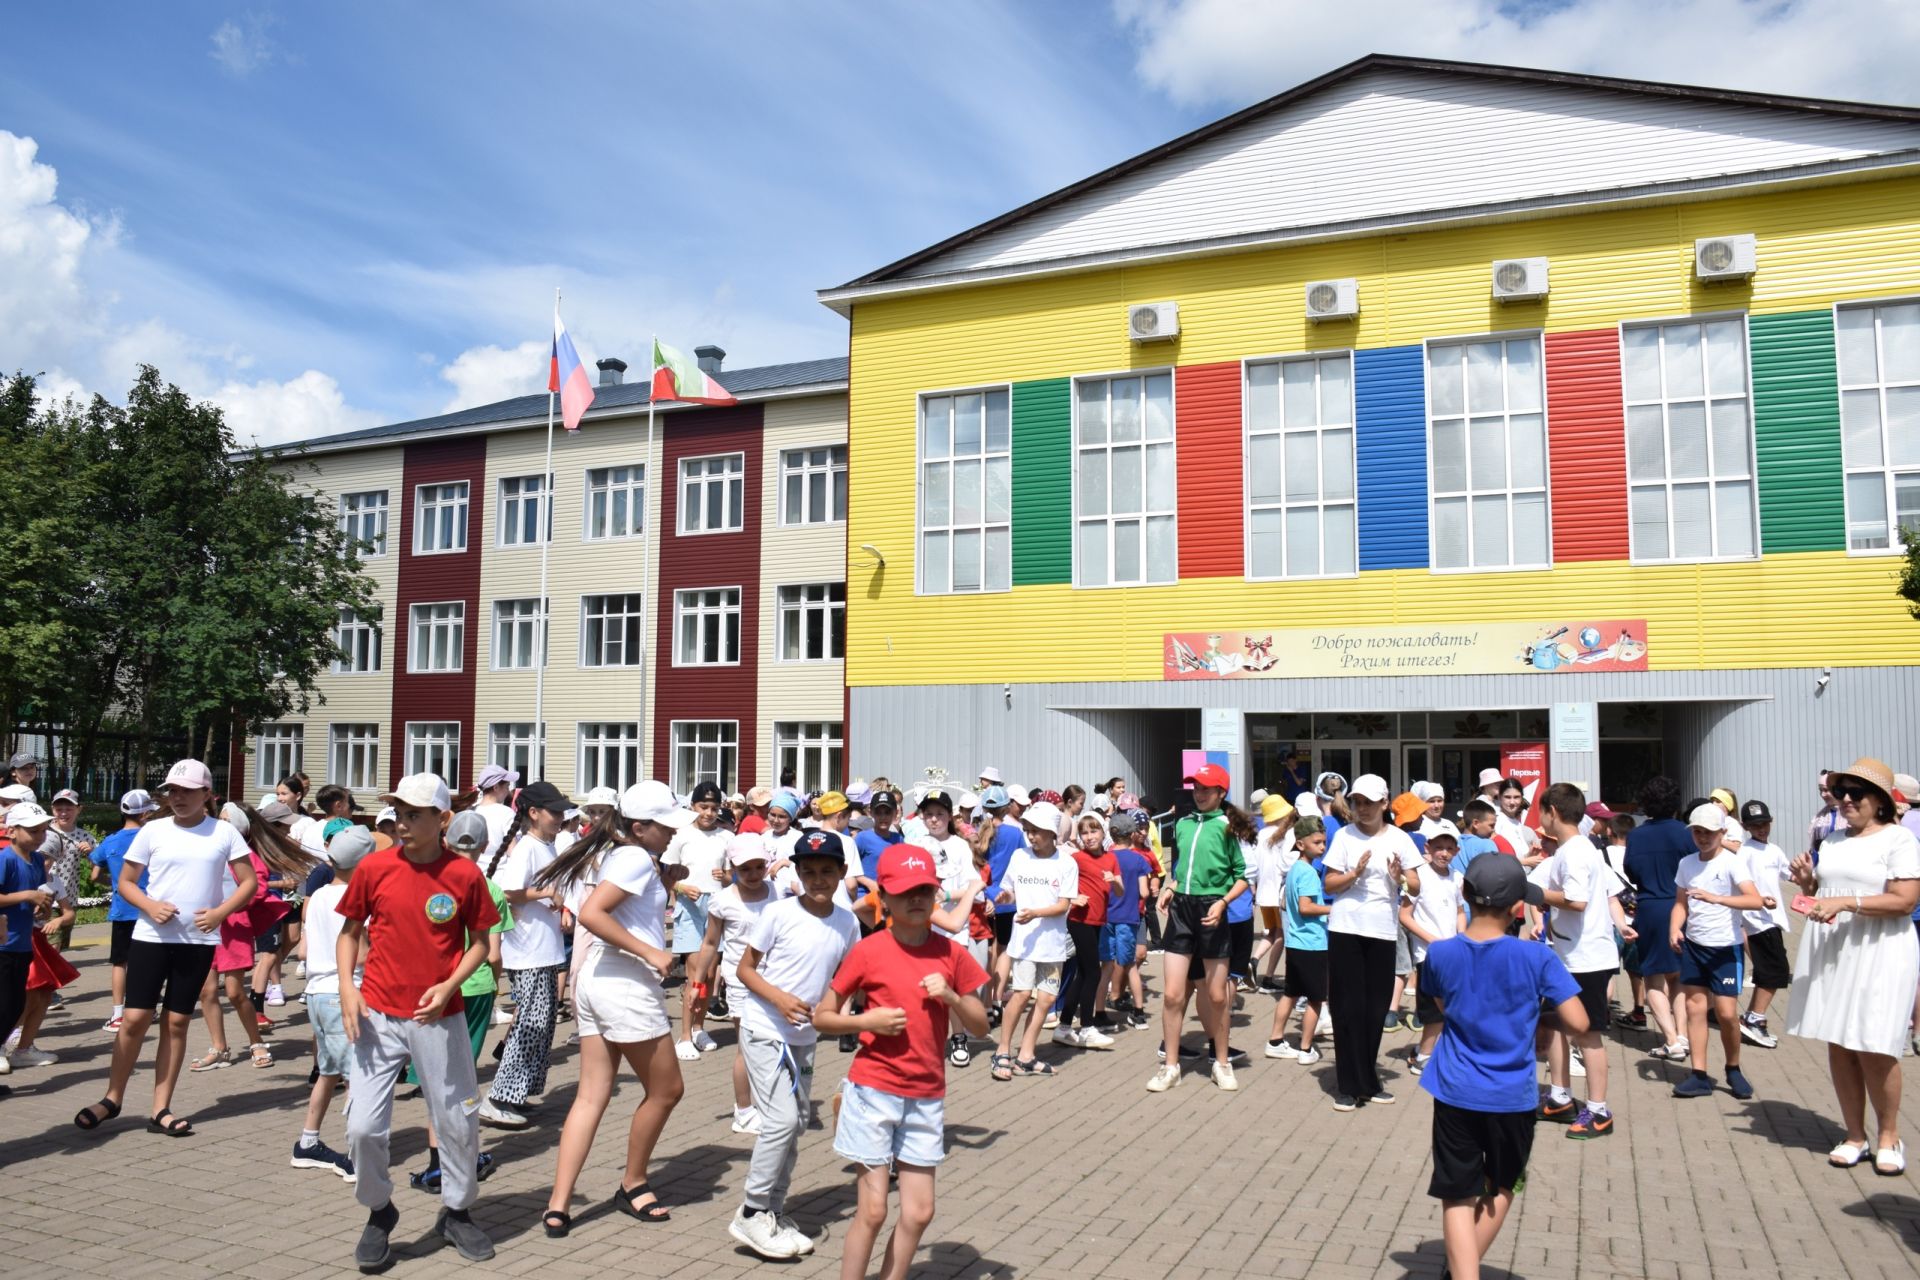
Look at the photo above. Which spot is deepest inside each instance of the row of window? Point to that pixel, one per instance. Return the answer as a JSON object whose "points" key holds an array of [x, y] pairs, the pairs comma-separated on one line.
{"points": [[813, 490], [608, 753], [811, 626], [1691, 487]]}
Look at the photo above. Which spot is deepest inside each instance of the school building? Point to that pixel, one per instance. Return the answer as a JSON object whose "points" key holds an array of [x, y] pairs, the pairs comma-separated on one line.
{"points": [[1421, 417]]}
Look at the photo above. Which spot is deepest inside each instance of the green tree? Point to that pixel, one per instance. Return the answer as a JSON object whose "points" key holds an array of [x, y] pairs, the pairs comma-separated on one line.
{"points": [[1909, 588]]}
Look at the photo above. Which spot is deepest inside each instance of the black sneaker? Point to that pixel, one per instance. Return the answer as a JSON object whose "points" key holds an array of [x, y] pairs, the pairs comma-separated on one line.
{"points": [[957, 1051], [1138, 1019], [464, 1234], [373, 1252], [849, 1043]]}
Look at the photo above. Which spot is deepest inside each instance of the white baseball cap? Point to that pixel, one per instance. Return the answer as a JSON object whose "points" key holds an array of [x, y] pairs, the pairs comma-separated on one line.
{"points": [[386, 815], [1259, 794], [1369, 786], [27, 814], [420, 791], [467, 833], [1307, 805], [747, 848], [190, 774], [17, 791], [1708, 817], [137, 801], [1019, 795], [236, 817], [1490, 776], [599, 795], [653, 802], [1042, 817], [67, 794]]}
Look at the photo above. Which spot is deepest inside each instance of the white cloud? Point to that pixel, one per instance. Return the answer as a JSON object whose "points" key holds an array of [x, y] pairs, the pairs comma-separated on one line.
{"points": [[1226, 52], [242, 47], [481, 375], [269, 412], [42, 245]]}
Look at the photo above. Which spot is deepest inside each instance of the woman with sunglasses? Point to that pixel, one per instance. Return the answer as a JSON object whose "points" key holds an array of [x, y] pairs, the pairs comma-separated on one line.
{"points": [[1860, 959]]}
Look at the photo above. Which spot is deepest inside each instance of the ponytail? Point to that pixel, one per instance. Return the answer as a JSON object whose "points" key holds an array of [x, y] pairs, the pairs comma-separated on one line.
{"points": [[514, 829], [276, 848], [584, 854]]}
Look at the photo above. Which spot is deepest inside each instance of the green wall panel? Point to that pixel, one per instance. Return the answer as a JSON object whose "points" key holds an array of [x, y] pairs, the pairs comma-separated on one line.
{"points": [[1042, 482], [1796, 427]]}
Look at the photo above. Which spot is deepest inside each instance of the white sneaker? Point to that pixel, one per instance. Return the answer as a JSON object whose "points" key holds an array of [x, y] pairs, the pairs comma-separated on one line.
{"points": [[762, 1234], [501, 1017], [1095, 1038], [6, 1065], [1282, 1050], [13, 1041], [32, 1058], [1310, 1057], [276, 994], [1223, 1077], [1068, 1036], [747, 1121], [300, 968], [1576, 1068], [1167, 1077], [704, 1042], [112, 1026], [799, 1239], [1053, 1020], [500, 1116], [685, 1051]]}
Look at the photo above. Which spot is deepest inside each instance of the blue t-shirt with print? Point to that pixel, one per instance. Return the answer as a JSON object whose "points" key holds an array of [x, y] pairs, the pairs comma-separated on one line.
{"points": [[17, 875], [1123, 904], [1491, 992], [1006, 838], [108, 855], [1304, 933]]}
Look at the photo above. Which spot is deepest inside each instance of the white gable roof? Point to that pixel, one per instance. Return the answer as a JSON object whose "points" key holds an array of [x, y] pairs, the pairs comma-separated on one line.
{"points": [[1391, 138]]}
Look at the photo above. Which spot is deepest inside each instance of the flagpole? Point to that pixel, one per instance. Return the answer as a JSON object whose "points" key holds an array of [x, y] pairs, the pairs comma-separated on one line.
{"points": [[646, 594], [537, 753]]}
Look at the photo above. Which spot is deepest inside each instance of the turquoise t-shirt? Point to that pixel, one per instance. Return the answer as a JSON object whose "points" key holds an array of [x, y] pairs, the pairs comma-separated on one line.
{"points": [[1304, 933]]}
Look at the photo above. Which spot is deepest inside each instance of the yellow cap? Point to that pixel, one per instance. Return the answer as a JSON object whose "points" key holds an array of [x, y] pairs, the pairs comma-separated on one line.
{"points": [[829, 803]]}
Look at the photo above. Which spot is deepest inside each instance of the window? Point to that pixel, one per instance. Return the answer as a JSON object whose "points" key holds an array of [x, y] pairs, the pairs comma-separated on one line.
{"points": [[1124, 481], [434, 747], [705, 751], [616, 503], [1689, 440], [522, 500], [277, 751], [609, 755], [363, 518], [359, 641], [519, 634], [707, 621], [966, 493], [813, 485], [439, 631], [1488, 454], [1880, 420], [610, 630], [513, 746], [354, 752], [813, 622], [812, 749], [1300, 496], [440, 520], [711, 493]]}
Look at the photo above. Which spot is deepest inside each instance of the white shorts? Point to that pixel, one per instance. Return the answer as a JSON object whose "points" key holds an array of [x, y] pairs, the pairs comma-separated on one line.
{"points": [[1037, 975], [877, 1128], [619, 997]]}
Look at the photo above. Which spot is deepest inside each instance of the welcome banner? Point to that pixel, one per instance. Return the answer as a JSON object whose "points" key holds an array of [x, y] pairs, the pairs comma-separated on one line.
{"points": [[1491, 648]]}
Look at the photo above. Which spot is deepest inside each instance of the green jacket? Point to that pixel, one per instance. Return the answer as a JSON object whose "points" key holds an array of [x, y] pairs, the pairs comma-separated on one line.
{"points": [[1207, 858]]}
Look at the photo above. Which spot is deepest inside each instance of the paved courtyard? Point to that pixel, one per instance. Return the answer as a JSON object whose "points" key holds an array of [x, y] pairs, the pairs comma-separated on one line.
{"points": [[1083, 1175]]}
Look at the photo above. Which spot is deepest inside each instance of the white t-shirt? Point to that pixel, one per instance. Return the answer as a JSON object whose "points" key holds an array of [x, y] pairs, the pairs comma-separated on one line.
{"points": [[186, 866], [1583, 940], [535, 941], [499, 817], [643, 912], [323, 938], [953, 863], [1272, 857], [1038, 883], [1710, 923], [1769, 865], [1518, 834], [788, 881], [1437, 908], [701, 853], [798, 954], [305, 831], [1370, 906], [738, 914]]}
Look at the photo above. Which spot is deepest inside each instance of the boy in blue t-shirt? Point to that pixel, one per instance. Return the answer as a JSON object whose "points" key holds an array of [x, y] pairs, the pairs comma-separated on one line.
{"points": [[136, 807], [1120, 950], [1489, 987], [1304, 931]]}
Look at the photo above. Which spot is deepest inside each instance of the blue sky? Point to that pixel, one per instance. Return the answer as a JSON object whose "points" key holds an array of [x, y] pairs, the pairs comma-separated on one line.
{"points": [[327, 216]]}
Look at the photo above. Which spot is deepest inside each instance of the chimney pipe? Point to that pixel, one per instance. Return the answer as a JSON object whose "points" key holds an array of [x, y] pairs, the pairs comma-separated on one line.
{"points": [[611, 369], [709, 357]]}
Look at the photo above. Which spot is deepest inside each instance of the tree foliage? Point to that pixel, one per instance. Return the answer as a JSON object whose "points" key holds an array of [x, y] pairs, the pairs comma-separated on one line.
{"points": [[1909, 588]]}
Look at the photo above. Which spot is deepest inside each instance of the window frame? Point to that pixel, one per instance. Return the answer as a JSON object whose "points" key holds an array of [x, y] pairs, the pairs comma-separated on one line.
{"points": [[919, 477], [450, 741], [543, 500], [1074, 449], [369, 743], [807, 469], [278, 738], [1469, 493], [348, 515], [458, 647], [601, 747], [683, 786], [1712, 481], [827, 608], [801, 744], [739, 523], [542, 616], [639, 631], [720, 612], [535, 745], [586, 502], [342, 626], [421, 524], [1320, 504], [1887, 470]]}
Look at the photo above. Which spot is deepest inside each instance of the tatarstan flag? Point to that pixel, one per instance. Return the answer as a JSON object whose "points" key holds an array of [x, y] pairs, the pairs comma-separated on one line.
{"points": [[676, 377]]}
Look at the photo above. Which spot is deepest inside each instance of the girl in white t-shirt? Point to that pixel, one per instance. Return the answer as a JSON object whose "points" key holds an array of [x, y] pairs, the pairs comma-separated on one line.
{"points": [[532, 953], [731, 916]]}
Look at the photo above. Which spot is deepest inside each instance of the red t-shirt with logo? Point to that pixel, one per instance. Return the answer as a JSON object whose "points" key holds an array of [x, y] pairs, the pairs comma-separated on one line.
{"points": [[418, 917], [912, 1064], [1095, 885]]}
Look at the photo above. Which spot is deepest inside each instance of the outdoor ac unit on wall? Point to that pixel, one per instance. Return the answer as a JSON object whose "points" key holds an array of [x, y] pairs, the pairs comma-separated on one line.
{"points": [[1723, 257], [1153, 321], [1333, 299], [1519, 279]]}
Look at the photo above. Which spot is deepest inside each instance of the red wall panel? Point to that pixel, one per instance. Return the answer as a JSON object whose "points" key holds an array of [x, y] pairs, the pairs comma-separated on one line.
{"points": [[1206, 399], [709, 560], [431, 579], [1586, 446]]}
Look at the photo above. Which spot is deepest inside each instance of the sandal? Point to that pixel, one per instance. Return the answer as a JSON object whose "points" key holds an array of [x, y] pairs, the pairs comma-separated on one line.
{"points": [[170, 1124], [86, 1119], [262, 1056], [1847, 1155], [1003, 1066], [1891, 1162], [556, 1222], [212, 1060], [624, 1198], [1033, 1067]]}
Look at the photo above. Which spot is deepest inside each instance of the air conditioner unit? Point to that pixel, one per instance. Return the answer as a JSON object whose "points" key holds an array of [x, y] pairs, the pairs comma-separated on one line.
{"points": [[1519, 279], [1723, 257], [1333, 299], [1153, 321]]}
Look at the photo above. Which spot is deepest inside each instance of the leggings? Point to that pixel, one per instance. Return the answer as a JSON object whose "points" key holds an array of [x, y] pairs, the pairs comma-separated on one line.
{"points": [[1086, 971], [1150, 915], [523, 1065], [1360, 986]]}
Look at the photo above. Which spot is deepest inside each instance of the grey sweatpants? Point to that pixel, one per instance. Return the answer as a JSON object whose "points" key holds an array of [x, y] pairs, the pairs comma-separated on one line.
{"points": [[443, 1059], [781, 1076]]}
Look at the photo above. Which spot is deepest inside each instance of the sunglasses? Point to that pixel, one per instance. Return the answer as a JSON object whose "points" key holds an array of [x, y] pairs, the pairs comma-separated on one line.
{"points": [[1854, 791]]}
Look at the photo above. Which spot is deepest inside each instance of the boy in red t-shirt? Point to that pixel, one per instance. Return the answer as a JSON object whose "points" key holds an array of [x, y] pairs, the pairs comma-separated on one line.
{"points": [[893, 1103], [426, 912]]}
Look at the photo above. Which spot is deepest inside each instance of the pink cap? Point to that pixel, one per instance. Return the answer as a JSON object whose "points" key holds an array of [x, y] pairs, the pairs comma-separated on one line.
{"points": [[190, 774]]}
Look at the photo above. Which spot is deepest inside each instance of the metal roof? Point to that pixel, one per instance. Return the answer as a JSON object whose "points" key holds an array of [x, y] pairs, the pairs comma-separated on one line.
{"points": [[767, 382]]}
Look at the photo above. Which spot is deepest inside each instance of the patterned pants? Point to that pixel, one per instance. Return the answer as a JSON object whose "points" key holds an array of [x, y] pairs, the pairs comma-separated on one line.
{"points": [[523, 1066]]}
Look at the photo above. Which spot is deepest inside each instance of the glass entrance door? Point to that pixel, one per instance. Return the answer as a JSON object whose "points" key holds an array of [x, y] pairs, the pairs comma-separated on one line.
{"points": [[1351, 759]]}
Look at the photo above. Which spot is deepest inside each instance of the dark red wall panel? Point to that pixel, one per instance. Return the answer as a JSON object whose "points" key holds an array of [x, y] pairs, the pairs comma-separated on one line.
{"points": [[1586, 446], [431, 579], [1206, 405]]}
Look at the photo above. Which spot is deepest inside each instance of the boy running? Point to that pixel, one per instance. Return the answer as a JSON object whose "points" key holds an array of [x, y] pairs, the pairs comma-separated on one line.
{"points": [[1042, 885], [1709, 887]]}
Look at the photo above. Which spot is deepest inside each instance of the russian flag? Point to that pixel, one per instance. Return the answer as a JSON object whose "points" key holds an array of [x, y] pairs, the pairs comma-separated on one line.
{"points": [[568, 376]]}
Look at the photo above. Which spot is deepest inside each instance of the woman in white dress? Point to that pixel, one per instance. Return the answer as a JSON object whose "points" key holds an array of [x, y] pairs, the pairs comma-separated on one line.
{"points": [[1860, 959]]}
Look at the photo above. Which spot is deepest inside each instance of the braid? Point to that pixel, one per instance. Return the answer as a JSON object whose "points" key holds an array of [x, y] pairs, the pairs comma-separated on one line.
{"points": [[514, 829], [583, 856]]}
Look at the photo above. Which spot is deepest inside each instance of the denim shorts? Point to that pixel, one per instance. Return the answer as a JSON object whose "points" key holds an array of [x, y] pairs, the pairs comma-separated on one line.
{"points": [[1117, 942], [330, 1053], [689, 923], [876, 1127]]}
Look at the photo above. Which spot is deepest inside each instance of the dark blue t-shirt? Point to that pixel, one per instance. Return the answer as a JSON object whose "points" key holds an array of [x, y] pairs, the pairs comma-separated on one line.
{"points": [[871, 844], [1654, 850], [1006, 838], [1491, 992], [1123, 904], [108, 855], [17, 876]]}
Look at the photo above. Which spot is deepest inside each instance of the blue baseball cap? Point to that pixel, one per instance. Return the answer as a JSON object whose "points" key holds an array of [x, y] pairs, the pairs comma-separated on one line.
{"points": [[993, 798]]}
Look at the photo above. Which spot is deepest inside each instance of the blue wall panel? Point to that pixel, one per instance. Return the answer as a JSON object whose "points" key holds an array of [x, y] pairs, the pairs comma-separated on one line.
{"points": [[1390, 411]]}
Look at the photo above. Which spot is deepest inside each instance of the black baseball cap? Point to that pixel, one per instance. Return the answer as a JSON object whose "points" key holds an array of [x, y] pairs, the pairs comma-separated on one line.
{"points": [[817, 844], [1498, 880], [707, 791], [1755, 812], [543, 795], [884, 799]]}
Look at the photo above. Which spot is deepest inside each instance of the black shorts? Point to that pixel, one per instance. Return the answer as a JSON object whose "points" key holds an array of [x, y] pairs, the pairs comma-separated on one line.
{"points": [[167, 974], [1185, 934], [117, 947], [1002, 929], [1306, 974], [1769, 954], [1425, 1007], [1478, 1153], [1240, 948], [1594, 987]]}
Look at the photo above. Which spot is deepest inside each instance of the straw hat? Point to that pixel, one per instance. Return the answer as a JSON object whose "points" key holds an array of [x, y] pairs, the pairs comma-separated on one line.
{"points": [[1874, 773]]}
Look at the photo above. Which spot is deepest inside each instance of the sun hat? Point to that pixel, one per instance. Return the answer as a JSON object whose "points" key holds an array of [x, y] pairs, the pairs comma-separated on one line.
{"points": [[989, 774], [653, 802], [1275, 809], [468, 833], [1874, 773], [1490, 776], [1408, 807], [906, 866], [419, 791]]}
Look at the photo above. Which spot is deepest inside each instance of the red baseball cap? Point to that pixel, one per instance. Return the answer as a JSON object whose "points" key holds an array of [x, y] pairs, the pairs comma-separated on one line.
{"points": [[904, 867], [1209, 775]]}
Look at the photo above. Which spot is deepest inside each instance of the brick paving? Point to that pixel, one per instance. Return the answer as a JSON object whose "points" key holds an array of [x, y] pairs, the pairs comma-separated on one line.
{"points": [[1084, 1175]]}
